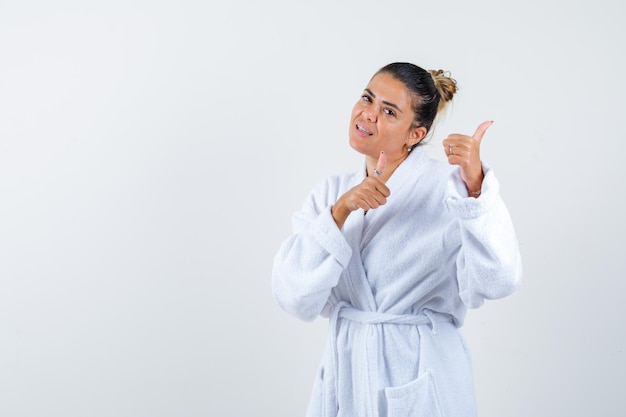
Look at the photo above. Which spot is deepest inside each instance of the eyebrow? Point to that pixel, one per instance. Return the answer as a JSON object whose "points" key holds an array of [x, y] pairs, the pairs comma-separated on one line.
{"points": [[371, 93]]}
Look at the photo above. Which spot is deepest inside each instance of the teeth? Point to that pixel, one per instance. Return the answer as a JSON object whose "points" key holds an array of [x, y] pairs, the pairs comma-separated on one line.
{"points": [[362, 129]]}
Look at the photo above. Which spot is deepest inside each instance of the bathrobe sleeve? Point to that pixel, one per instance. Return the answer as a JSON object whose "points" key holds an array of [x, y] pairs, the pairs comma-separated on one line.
{"points": [[488, 264], [309, 263]]}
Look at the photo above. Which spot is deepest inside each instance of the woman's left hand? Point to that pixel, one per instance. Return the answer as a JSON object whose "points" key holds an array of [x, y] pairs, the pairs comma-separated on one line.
{"points": [[464, 151]]}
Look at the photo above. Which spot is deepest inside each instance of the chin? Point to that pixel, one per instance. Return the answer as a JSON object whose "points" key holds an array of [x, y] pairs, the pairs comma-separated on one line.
{"points": [[357, 145]]}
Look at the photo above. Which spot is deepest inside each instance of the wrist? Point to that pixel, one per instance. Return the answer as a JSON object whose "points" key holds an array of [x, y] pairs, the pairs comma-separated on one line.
{"points": [[474, 188], [474, 184], [339, 212]]}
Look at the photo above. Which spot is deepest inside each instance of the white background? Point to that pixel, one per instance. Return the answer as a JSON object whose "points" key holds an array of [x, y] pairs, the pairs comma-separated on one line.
{"points": [[152, 153]]}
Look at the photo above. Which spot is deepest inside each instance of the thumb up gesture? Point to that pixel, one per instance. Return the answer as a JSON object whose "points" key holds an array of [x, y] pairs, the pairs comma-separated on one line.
{"points": [[464, 151], [371, 193]]}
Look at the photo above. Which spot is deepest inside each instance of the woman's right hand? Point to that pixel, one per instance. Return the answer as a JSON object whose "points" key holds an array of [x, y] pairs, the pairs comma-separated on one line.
{"points": [[369, 194]]}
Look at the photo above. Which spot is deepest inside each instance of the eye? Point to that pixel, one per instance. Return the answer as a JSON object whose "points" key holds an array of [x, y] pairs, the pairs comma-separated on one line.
{"points": [[366, 98], [389, 112]]}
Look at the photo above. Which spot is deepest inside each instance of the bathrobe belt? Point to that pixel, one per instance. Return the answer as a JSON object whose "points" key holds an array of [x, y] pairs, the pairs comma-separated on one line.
{"points": [[369, 356]]}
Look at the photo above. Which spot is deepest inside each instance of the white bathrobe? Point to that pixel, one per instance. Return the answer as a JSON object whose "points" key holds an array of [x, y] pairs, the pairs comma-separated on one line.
{"points": [[395, 284]]}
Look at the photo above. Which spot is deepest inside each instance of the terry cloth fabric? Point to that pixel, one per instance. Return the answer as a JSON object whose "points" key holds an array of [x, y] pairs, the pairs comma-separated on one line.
{"points": [[396, 284]]}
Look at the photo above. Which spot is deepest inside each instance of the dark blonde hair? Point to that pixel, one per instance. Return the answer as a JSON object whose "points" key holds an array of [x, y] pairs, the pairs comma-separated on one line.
{"points": [[431, 90]]}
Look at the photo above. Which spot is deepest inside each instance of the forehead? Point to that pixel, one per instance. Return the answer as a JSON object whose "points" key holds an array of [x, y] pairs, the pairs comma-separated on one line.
{"points": [[388, 88]]}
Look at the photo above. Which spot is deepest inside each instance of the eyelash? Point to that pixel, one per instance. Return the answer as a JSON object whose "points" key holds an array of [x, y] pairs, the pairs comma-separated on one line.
{"points": [[387, 111]]}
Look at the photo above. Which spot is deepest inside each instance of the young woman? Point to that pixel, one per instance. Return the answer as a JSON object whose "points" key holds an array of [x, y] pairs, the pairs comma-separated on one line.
{"points": [[395, 253]]}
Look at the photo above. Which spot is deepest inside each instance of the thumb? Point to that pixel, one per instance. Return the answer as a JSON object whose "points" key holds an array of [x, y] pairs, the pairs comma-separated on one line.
{"points": [[382, 162], [482, 128]]}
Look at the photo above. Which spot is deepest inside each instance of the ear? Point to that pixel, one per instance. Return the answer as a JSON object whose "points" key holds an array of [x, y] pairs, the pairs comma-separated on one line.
{"points": [[416, 135]]}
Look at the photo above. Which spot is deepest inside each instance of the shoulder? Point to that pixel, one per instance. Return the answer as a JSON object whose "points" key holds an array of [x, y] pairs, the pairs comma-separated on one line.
{"points": [[339, 181], [433, 173], [326, 192]]}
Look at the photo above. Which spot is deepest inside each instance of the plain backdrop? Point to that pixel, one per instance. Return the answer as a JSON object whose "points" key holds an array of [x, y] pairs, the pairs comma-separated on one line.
{"points": [[152, 153]]}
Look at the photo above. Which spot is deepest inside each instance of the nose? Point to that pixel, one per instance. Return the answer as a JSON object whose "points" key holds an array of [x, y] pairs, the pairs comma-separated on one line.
{"points": [[371, 113]]}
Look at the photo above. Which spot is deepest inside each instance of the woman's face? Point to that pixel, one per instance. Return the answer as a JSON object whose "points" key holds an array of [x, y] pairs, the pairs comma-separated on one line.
{"points": [[382, 119]]}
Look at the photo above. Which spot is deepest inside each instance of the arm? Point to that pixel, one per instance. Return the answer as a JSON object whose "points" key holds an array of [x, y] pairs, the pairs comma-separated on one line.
{"points": [[488, 264], [309, 263]]}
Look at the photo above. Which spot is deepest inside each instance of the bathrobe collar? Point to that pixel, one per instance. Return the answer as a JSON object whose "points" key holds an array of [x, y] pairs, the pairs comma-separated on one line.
{"points": [[361, 296]]}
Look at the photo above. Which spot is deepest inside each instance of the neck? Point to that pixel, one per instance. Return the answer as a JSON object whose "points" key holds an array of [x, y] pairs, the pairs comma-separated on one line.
{"points": [[393, 162]]}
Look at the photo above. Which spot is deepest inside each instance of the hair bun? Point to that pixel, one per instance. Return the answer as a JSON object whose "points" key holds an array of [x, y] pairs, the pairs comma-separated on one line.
{"points": [[446, 85]]}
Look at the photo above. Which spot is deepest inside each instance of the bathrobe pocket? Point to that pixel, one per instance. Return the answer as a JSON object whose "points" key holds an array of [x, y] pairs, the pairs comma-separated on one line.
{"points": [[418, 398]]}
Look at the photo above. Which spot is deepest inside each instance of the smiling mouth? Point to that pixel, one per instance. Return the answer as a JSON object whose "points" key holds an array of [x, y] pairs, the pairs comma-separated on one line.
{"points": [[363, 130]]}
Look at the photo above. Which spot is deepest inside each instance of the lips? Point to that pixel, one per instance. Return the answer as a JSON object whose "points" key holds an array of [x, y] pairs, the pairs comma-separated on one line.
{"points": [[363, 130]]}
